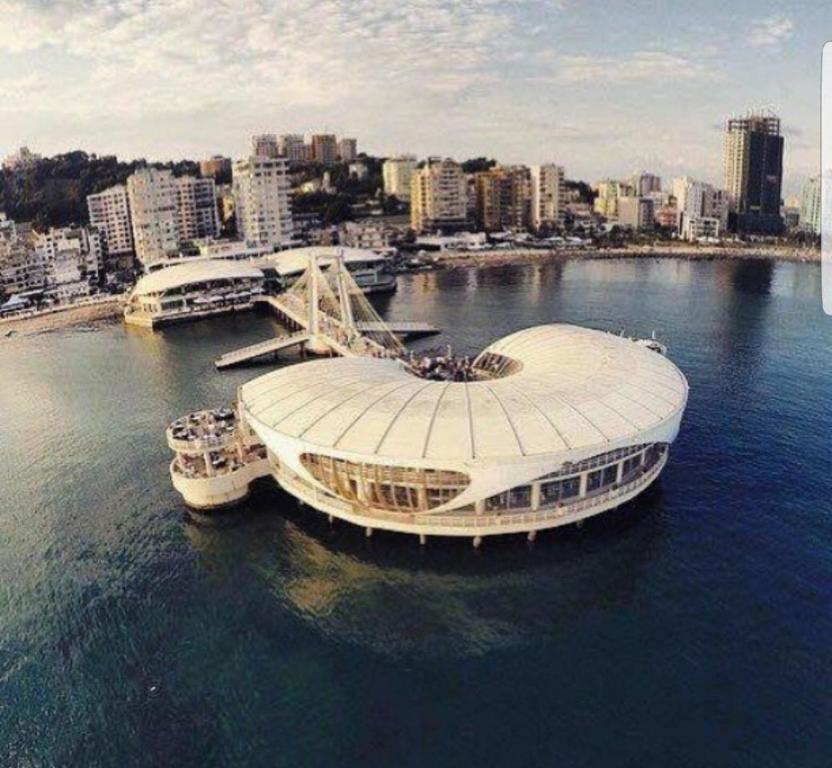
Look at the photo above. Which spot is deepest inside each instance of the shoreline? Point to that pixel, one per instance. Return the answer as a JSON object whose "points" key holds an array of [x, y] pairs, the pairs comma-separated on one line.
{"points": [[107, 309], [59, 318], [526, 256]]}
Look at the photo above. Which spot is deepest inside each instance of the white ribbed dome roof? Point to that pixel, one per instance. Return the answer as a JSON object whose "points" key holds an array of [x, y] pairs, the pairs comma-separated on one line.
{"points": [[575, 389]]}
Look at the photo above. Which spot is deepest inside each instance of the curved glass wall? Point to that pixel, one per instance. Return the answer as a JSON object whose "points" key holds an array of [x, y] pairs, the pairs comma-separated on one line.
{"points": [[398, 489], [590, 477]]}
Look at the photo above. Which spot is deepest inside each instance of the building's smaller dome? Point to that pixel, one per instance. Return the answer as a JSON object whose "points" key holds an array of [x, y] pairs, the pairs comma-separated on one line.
{"points": [[201, 271]]}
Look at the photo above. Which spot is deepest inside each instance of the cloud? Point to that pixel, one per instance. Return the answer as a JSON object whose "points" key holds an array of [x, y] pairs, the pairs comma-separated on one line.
{"points": [[642, 65], [771, 31], [130, 60]]}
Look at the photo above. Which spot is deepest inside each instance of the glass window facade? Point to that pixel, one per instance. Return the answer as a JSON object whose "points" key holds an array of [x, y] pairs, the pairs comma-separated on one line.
{"points": [[399, 489]]}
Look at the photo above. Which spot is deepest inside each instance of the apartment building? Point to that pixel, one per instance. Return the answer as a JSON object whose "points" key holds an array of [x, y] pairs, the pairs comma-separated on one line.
{"points": [[293, 147], [645, 184], [21, 267], [217, 166], [810, 205], [438, 196], [609, 191], [262, 202], [154, 212], [397, 173], [636, 212], [72, 259], [109, 213], [324, 148], [548, 195], [697, 200], [265, 145], [347, 150], [197, 201], [753, 165], [504, 199]]}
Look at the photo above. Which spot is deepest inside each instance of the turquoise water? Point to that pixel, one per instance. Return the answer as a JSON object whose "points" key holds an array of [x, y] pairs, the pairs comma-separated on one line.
{"points": [[690, 628]]}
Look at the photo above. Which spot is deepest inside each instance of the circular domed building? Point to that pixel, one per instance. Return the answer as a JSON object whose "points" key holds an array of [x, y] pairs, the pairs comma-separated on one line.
{"points": [[558, 424]]}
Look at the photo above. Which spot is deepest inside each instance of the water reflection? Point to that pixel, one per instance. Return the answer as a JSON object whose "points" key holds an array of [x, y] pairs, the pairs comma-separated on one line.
{"points": [[395, 598]]}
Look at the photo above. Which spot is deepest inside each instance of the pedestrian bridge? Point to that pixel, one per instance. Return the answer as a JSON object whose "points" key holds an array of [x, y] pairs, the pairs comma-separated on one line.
{"points": [[328, 313]]}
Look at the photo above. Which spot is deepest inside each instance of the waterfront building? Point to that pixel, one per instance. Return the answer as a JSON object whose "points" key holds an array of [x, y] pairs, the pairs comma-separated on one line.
{"points": [[636, 212], [700, 228], [371, 271], [753, 165], [109, 213], [503, 198], [558, 424], [73, 261], [154, 213], [368, 234], [197, 201], [667, 216], [458, 241], [438, 197], [810, 205], [265, 145], [699, 200], [261, 199], [347, 150], [191, 291], [324, 148], [397, 173], [21, 266], [548, 195], [292, 147], [215, 167]]}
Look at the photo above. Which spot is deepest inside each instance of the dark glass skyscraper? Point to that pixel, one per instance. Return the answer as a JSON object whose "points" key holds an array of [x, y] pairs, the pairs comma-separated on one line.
{"points": [[754, 173]]}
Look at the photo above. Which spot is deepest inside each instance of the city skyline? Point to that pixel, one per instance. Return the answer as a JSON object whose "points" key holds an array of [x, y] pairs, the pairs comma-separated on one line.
{"points": [[526, 82]]}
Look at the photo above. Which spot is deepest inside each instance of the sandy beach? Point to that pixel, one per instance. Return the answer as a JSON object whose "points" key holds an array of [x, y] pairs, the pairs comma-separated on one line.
{"points": [[62, 318]]}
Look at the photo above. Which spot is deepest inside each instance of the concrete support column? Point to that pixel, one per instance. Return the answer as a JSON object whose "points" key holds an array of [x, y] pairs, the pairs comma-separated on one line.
{"points": [[532, 536], [423, 539], [477, 542], [582, 492], [535, 497], [368, 532], [209, 468]]}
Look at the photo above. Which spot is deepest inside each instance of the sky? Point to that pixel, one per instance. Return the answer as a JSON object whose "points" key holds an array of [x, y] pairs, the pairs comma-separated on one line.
{"points": [[604, 88]]}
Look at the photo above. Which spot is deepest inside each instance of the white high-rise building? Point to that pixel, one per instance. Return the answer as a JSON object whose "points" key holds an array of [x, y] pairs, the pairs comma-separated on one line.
{"points": [[397, 173], [548, 190], [697, 201], [197, 200], [262, 206], [810, 205], [110, 214], [154, 212], [265, 145]]}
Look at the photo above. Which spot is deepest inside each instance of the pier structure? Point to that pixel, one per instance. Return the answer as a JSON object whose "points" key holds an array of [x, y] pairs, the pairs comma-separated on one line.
{"points": [[328, 314]]}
